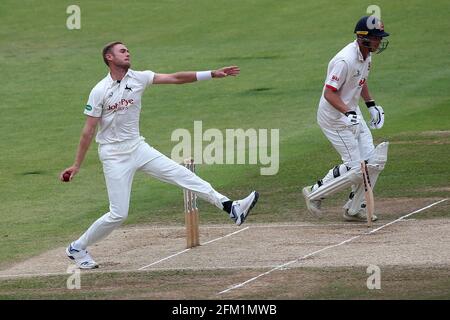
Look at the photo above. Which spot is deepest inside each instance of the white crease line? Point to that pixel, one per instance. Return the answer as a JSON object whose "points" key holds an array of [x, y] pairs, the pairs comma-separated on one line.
{"points": [[271, 225], [409, 214], [326, 248], [268, 225], [166, 258], [186, 250], [228, 235]]}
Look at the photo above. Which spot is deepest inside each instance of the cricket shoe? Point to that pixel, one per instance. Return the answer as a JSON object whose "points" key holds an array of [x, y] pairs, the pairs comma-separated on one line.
{"points": [[81, 257], [313, 206], [360, 216], [349, 202], [241, 208]]}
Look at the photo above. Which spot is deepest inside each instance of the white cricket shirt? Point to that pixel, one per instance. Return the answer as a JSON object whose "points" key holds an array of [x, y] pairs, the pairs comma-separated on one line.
{"points": [[347, 72], [118, 104]]}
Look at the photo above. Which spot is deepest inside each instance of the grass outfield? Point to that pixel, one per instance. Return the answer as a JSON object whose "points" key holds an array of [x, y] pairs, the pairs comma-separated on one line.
{"points": [[282, 48]]}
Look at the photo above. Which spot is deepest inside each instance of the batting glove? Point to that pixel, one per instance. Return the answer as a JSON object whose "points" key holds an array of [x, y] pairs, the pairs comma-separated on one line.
{"points": [[351, 119], [376, 115]]}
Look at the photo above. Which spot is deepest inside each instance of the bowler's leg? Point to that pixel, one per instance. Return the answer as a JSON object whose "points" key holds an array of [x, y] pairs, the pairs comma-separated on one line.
{"points": [[119, 177], [167, 170]]}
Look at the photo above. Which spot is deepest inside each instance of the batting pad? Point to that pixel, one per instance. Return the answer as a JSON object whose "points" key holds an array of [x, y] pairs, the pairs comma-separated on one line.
{"points": [[375, 164]]}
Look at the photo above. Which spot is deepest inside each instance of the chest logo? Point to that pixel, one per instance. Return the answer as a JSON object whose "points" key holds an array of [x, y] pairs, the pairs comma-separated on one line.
{"points": [[121, 105], [128, 88]]}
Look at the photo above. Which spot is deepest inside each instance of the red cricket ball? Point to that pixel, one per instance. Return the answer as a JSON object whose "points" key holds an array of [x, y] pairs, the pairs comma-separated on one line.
{"points": [[66, 177]]}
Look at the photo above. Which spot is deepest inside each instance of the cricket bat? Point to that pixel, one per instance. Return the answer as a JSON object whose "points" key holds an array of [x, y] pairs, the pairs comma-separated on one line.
{"points": [[368, 193]]}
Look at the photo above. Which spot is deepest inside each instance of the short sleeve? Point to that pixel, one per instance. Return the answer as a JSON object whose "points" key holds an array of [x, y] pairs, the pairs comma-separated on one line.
{"points": [[94, 106], [148, 77], [337, 75]]}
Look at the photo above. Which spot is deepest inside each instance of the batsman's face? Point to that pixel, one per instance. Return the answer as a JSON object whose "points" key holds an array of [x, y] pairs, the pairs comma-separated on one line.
{"points": [[120, 56], [374, 43]]}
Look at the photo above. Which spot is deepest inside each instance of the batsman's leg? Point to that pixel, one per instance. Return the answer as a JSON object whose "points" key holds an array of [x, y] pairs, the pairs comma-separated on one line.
{"points": [[376, 162], [346, 144]]}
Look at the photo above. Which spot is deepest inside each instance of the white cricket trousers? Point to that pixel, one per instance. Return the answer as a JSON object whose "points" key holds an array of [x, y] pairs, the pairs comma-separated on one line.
{"points": [[120, 163], [352, 147]]}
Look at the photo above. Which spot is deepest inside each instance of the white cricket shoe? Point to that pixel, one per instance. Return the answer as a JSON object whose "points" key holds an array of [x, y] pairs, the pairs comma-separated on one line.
{"points": [[360, 216], [313, 206], [81, 257], [241, 208]]}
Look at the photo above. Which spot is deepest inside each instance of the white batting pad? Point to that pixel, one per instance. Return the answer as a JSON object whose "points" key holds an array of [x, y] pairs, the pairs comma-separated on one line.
{"points": [[340, 183], [376, 164]]}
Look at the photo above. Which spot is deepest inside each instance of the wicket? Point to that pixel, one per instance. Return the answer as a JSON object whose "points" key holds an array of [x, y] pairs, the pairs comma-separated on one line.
{"points": [[191, 211]]}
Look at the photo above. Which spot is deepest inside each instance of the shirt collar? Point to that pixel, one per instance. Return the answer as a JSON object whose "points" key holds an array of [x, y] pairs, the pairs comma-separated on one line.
{"points": [[358, 52], [110, 80]]}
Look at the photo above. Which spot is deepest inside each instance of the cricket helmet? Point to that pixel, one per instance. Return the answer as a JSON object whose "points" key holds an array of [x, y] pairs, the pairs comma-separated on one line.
{"points": [[371, 26]]}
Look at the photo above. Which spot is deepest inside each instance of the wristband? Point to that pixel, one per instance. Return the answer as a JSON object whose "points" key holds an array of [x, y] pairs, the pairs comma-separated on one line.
{"points": [[370, 103], [350, 112], [203, 75]]}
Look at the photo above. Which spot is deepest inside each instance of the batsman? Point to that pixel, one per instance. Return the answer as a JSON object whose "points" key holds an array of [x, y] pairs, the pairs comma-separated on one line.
{"points": [[343, 124]]}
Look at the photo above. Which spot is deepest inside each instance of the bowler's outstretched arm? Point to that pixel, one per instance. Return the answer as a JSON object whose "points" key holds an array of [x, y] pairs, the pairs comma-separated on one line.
{"points": [[192, 76], [85, 141]]}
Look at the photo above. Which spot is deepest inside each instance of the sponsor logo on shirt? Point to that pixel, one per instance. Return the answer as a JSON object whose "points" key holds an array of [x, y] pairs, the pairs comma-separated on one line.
{"points": [[334, 78], [362, 81], [88, 107], [121, 105]]}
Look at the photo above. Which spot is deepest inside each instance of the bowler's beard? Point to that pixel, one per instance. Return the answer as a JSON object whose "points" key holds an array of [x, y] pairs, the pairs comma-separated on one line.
{"points": [[125, 65]]}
